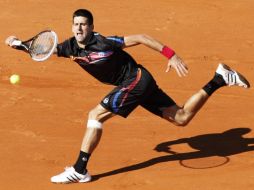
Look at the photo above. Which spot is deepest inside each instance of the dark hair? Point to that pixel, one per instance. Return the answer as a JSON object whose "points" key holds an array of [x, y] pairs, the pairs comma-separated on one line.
{"points": [[84, 13]]}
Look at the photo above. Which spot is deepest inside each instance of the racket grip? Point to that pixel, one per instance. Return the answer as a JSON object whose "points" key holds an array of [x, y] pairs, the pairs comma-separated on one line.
{"points": [[15, 42]]}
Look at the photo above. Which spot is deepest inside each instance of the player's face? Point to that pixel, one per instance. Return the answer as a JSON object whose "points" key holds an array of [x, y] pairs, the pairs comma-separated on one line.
{"points": [[81, 29]]}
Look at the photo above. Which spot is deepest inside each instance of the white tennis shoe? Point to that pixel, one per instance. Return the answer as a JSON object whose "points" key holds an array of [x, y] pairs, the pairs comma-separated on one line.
{"points": [[231, 77], [71, 176]]}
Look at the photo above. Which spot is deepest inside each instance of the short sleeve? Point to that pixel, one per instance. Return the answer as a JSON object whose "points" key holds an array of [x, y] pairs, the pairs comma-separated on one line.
{"points": [[116, 41]]}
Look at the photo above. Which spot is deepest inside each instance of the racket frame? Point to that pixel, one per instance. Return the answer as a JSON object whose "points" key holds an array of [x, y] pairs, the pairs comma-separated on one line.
{"points": [[27, 44]]}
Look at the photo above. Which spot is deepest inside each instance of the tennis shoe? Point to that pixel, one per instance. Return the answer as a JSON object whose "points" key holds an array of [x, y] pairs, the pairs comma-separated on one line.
{"points": [[231, 77], [71, 176]]}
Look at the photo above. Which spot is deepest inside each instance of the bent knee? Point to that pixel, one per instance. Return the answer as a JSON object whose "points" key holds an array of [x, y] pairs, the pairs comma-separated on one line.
{"points": [[182, 118], [93, 114], [181, 123], [99, 113], [96, 113], [177, 116]]}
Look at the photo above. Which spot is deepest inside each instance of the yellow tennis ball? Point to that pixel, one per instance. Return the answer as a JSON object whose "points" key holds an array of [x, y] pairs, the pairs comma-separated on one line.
{"points": [[14, 79]]}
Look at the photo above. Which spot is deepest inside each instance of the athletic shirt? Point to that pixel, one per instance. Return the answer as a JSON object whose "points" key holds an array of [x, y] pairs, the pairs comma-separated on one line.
{"points": [[102, 57]]}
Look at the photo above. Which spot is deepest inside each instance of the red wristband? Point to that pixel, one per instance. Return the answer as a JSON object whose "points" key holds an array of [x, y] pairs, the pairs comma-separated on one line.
{"points": [[167, 52]]}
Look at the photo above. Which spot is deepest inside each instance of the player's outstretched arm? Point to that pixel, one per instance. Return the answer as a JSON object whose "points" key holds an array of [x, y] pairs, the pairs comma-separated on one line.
{"points": [[13, 40], [174, 61], [144, 39]]}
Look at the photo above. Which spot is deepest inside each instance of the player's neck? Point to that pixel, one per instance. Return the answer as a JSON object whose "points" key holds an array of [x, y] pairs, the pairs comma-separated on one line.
{"points": [[81, 45]]}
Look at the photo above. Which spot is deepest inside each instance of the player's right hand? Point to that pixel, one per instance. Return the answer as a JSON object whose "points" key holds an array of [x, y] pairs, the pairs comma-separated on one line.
{"points": [[178, 64], [9, 41]]}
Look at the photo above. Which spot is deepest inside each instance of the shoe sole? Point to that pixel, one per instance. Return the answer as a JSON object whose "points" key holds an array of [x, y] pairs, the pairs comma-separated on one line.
{"points": [[80, 181], [241, 77]]}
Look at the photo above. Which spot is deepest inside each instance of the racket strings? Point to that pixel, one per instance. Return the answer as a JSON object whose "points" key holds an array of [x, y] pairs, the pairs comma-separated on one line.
{"points": [[42, 45]]}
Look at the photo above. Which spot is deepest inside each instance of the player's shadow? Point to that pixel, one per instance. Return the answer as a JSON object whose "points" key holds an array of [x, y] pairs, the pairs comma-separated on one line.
{"points": [[223, 144]]}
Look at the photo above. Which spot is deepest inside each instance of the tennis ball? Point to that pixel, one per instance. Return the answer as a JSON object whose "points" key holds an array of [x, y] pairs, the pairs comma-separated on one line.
{"points": [[14, 79]]}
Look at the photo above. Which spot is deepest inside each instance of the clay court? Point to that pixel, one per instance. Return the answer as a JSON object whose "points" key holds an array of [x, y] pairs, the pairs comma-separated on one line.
{"points": [[43, 117]]}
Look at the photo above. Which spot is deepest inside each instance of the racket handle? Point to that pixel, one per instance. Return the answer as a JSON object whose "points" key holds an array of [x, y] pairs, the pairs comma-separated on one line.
{"points": [[15, 43]]}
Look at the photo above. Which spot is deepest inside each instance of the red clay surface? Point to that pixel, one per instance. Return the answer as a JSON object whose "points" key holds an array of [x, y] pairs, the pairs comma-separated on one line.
{"points": [[43, 118]]}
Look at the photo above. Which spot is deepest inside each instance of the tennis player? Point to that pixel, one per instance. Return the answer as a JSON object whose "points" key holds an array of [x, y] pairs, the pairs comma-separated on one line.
{"points": [[105, 59]]}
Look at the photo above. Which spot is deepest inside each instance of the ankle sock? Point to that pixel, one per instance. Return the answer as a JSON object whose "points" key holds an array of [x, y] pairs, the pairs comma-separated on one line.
{"points": [[216, 83], [81, 163]]}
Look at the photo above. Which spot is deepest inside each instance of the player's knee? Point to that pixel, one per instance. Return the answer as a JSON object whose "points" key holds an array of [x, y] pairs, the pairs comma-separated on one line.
{"points": [[93, 119], [99, 113], [182, 118], [181, 123], [93, 114]]}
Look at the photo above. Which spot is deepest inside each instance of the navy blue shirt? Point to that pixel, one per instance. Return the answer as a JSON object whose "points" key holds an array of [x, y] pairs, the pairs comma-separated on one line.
{"points": [[102, 57]]}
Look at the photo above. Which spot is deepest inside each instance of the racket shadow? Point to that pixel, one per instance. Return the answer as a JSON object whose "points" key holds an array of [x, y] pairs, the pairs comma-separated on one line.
{"points": [[224, 144]]}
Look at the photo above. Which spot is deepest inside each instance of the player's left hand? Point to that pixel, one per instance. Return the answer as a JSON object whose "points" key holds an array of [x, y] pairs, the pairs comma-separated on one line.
{"points": [[10, 40], [178, 64]]}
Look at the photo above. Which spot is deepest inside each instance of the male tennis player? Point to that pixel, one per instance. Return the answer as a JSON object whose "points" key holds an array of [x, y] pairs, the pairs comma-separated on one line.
{"points": [[105, 59]]}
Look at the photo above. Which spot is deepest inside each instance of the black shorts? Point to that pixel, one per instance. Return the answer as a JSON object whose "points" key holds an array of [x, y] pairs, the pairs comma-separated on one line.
{"points": [[139, 89]]}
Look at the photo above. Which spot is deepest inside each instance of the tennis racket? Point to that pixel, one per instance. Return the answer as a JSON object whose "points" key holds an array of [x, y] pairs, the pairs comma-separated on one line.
{"points": [[40, 47]]}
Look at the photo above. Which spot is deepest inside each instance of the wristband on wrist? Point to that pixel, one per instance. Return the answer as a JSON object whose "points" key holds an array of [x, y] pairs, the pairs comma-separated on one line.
{"points": [[167, 52]]}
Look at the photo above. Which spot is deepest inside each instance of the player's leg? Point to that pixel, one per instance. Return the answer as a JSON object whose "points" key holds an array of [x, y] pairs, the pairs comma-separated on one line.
{"points": [[79, 173], [93, 133], [122, 100], [224, 76], [181, 116]]}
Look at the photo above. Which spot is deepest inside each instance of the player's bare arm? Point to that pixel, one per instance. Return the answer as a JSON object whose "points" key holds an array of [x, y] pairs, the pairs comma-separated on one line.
{"points": [[144, 39], [10, 41], [174, 60]]}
